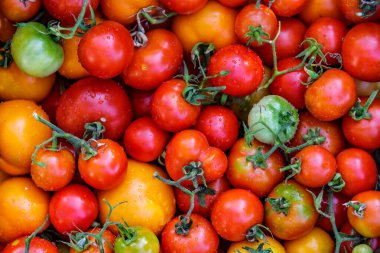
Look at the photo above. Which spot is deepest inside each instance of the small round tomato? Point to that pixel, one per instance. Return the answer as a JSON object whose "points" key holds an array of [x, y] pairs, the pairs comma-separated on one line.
{"points": [[315, 9], [7, 28], [246, 71], [358, 170], [71, 67], [37, 244], [234, 212], [108, 240], [144, 241], [287, 8], [184, 7], [73, 208], [317, 241], [268, 244], [350, 10], [331, 96], [23, 208], [141, 102], [19, 11]]}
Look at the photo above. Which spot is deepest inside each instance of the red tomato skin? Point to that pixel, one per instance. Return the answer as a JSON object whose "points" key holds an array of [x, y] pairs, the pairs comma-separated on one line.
{"points": [[141, 102], [91, 99], [144, 140], [361, 52], [73, 207], [358, 170], [340, 211], [155, 63], [184, 7], [287, 8], [37, 245], [220, 125], [350, 8], [289, 86], [106, 50], [245, 66], [233, 3]]}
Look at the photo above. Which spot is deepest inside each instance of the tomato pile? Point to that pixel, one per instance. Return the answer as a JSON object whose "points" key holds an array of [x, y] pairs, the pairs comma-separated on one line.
{"points": [[190, 126]]}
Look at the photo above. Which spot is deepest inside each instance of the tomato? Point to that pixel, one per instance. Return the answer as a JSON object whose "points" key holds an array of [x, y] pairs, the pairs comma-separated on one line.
{"points": [[243, 174], [287, 8], [295, 221], [19, 11], [141, 102], [362, 248], [220, 126], [268, 243], [71, 67], [369, 224], [184, 7], [288, 41], [37, 244], [91, 99], [290, 86], [7, 29], [233, 3], [331, 96], [316, 241], [16, 84], [350, 10], [255, 17], [156, 62], [170, 110], [202, 237], [340, 211], [214, 23], [234, 212], [364, 133], [107, 242], [106, 50], [20, 132], [148, 201], [124, 12], [245, 66], [35, 52], [361, 52], [50, 102], [276, 118], [315, 9], [328, 32], [23, 208], [358, 170], [145, 241], [59, 171]]}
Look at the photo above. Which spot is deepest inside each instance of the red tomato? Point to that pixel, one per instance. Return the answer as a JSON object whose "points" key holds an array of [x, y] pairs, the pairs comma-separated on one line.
{"points": [[141, 102], [350, 10], [364, 133], [233, 3], [156, 62], [91, 99], [315, 9], [234, 212], [289, 86], [73, 208], [358, 170], [184, 7], [287, 8], [7, 28], [144, 140], [108, 239], [50, 103], [202, 237], [361, 52], [37, 245], [340, 211], [246, 70], [331, 96], [106, 49]]}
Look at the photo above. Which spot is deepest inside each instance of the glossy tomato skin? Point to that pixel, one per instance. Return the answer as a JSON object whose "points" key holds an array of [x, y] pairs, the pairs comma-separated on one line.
{"points": [[234, 212], [315, 9], [91, 99], [233, 3], [170, 110], [94, 247], [361, 52], [287, 8], [106, 49], [340, 211], [245, 66], [73, 207], [364, 133], [144, 140], [269, 243], [145, 241], [214, 23], [7, 29], [37, 245], [301, 217], [331, 96], [290, 86], [350, 9], [314, 242], [156, 62], [19, 11], [141, 102], [202, 237], [358, 170], [71, 67], [184, 7], [243, 174], [23, 208]]}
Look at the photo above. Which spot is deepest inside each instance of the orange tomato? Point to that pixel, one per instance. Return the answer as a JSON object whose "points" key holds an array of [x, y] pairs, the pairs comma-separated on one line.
{"points": [[269, 243], [7, 28], [317, 241], [315, 9]]}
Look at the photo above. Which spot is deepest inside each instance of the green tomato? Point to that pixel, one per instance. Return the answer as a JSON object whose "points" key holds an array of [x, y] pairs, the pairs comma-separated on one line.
{"points": [[35, 52], [273, 120], [144, 242], [362, 248]]}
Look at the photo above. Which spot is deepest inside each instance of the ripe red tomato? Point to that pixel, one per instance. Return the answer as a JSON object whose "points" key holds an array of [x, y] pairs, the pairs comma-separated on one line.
{"points": [[37, 245], [245, 66], [234, 212], [287, 8], [73, 207], [19, 11], [350, 10], [184, 7], [156, 62], [141, 102], [340, 211]]}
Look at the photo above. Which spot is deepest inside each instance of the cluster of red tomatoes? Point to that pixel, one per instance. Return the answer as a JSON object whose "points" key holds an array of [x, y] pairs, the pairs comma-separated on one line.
{"points": [[189, 126]]}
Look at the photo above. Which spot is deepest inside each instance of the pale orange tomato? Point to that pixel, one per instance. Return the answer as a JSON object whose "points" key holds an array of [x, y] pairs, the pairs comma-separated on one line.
{"points": [[271, 243], [317, 241]]}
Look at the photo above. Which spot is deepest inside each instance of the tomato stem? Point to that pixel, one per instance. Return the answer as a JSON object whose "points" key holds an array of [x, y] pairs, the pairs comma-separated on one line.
{"points": [[29, 239], [295, 168], [337, 183], [256, 233]]}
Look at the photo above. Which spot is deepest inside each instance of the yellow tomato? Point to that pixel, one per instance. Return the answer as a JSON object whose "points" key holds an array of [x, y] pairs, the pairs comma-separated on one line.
{"points": [[214, 23], [271, 243], [148, 201], [20, 132], [23, 208], [317, 241]]}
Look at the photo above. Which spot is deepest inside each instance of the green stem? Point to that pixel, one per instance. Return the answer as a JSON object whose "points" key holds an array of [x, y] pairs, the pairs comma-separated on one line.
{"points": [[29, 239]]}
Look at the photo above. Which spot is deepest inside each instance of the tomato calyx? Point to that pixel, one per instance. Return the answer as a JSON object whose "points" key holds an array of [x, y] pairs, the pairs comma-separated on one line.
{"points": [[256, 233], [359, 112], [358, 208], [294, 168], [5, 55], [259, 159], [337, 183], [279, 205], [259, 249], [368, 8], [94, 130], [127, 233]]}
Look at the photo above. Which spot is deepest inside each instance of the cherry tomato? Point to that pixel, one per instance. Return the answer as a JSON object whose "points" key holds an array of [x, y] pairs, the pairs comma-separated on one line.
{"points": [[287, 8], [108, 240], [350, 10], [184, 7], [340, 211], [145, 241], [141, 102], [19, 11], [37, 244], [315, 9], [71, 67], [268, 244], [317, 241], [362, 248]]}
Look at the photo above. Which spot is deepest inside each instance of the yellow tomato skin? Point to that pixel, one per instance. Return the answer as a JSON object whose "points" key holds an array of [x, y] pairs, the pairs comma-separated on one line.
{"points": [[148, 201], [212, 24], [23, 208], [272, 244], [317, 241], [20, 132], [15, 84], [71, 67]]}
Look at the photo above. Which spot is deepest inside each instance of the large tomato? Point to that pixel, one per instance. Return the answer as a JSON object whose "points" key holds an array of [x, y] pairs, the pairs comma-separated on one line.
{"points": [[317, 241]]}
